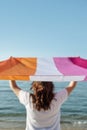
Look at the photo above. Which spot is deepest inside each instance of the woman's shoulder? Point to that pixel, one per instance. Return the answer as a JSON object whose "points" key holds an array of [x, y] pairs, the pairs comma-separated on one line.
{"points": [[24, 93], [23, 96], [61, 93]]}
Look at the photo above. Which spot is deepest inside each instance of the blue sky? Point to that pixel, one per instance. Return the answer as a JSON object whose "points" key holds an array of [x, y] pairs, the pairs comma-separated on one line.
{"points": [[43, 28]]}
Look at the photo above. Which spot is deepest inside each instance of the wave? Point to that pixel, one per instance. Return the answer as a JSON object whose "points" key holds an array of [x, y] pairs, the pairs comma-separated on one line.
{"points": [[75, 123]]}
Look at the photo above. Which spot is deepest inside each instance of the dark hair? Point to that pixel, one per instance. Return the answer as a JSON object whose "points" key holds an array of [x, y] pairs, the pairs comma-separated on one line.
{"points": [[42, 94]]}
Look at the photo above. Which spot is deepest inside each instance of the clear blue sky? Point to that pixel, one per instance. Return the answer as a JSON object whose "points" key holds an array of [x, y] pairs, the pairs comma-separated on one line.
{"points": [[43, 28]]}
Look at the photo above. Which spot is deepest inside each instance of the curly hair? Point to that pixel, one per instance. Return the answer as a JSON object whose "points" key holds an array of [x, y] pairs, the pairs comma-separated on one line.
{"points": [[42, 94]]}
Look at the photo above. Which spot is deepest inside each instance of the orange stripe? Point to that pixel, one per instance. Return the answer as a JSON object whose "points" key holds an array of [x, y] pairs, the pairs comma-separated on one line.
{"points": [[7, 64], [18, 68], [14, 78], [30, 63]]}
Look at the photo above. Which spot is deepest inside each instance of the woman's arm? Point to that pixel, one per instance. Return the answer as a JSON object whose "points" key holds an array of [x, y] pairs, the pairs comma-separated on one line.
{"points": [[14, 87], [71, 86]]}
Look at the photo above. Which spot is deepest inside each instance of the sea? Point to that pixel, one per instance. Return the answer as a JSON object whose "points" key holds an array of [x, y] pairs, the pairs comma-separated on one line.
{"points": [[73, 111]]}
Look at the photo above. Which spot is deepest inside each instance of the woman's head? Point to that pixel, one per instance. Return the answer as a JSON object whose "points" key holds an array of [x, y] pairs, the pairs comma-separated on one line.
{"points": [[42, 94]]}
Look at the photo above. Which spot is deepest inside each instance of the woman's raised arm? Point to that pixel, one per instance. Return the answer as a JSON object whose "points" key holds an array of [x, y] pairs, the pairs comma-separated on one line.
{"points": [[71, 86], [14, 87]]}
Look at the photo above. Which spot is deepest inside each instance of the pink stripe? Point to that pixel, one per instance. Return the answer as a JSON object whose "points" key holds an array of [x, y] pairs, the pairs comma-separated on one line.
{"points": [[79, 61], [67, 67]]}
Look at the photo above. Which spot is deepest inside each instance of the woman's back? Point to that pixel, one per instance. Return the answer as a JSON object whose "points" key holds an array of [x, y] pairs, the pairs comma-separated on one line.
{"points": [[47, 119]]}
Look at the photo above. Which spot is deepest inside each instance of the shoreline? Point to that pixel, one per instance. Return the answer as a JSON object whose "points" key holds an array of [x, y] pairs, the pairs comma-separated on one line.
{"points": [[63, 127], [73, 127]]}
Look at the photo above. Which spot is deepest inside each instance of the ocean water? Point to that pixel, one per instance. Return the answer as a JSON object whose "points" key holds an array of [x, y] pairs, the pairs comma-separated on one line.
{"points": [[13, 114]]}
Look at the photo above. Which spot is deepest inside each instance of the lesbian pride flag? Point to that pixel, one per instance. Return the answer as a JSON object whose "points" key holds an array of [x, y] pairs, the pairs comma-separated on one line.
{"points": [[44, 69]]}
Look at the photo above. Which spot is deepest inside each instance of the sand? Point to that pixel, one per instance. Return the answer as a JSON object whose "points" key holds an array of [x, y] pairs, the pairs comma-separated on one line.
{"points": [[63, 128]]}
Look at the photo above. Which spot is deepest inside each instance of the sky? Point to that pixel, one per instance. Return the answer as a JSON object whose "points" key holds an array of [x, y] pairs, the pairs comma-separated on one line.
{"points": [[43, 28]]}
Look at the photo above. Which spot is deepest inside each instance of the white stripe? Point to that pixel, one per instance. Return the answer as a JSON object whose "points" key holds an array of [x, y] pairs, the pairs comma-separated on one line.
{"points": [[59, 78], [46, 66]]}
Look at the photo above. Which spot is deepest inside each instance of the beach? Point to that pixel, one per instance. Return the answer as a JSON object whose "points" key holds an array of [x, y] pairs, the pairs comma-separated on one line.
{"points": [[73, 111], [63, 127], [69, 127]]}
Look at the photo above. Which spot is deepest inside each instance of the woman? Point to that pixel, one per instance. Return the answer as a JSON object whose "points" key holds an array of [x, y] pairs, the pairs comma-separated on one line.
{"points": [[42, 105]]}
